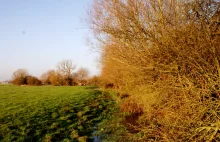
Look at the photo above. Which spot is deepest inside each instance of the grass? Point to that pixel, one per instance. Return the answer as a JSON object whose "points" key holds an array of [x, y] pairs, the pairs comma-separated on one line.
{"points": [[49, 113]]}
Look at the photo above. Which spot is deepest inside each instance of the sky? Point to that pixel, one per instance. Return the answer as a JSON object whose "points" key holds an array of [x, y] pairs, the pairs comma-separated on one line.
{"points": [[37, 34]]}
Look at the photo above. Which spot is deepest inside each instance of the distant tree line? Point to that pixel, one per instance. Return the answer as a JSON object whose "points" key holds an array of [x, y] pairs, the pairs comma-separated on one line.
{"points": [[64, 75]]}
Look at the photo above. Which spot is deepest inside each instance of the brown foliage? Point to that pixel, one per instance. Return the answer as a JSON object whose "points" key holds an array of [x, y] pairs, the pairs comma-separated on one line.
{"points": [[94, 81], [61, 76], [20, 73], [55, 78], [165, 55], [19, 81], [82, 74], [26, 80], [45, 78], [19, 77], [33, 81], [68, 81], [132, 107]]}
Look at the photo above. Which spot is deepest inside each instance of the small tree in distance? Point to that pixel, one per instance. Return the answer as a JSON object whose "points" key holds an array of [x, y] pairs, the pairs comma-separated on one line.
{"points": [[82, 75], [65, 69], [22, 77], [20, 73], [19, 77]]}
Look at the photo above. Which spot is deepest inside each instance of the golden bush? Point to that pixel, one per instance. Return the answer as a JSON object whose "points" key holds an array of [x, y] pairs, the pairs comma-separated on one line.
{"points": [[165, 55]]}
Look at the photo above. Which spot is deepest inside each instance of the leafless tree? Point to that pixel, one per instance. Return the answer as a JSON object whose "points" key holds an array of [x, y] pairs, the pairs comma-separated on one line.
{"points": [[82, 74], [65, 68], [20, 73]]}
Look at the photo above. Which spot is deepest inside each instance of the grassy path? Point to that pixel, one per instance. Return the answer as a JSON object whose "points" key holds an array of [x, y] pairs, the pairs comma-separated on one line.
{"points": [[49, 113]]}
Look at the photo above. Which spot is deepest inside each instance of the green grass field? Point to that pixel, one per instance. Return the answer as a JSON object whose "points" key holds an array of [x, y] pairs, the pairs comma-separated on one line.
{"points": [[49, 113]]}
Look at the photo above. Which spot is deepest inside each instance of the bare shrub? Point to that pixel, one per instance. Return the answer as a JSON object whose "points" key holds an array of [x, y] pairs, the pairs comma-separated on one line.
{"points": [[55, 78], [82, 74], [94, 81], [165, 55], [19, 81], [33, 81], [19, 76]]}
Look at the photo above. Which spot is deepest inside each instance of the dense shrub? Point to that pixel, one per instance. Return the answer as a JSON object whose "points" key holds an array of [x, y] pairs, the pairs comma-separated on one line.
{"points": [[94, 81], [33, 81], [68, 81], [74, 82], [27, 80], [165, 55], [19, 77], [19, 81]]}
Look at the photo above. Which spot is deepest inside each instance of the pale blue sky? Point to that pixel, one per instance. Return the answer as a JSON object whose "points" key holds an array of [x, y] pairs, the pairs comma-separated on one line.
{"points": [[36, 34]]}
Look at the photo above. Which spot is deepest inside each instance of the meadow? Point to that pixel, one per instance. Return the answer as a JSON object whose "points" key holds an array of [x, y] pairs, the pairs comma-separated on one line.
{"points": [[53, 113]]}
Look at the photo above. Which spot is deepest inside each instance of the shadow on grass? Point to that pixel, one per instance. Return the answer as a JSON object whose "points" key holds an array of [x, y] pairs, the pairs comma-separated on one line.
{"points": [[73, 121], [91, 87]]}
